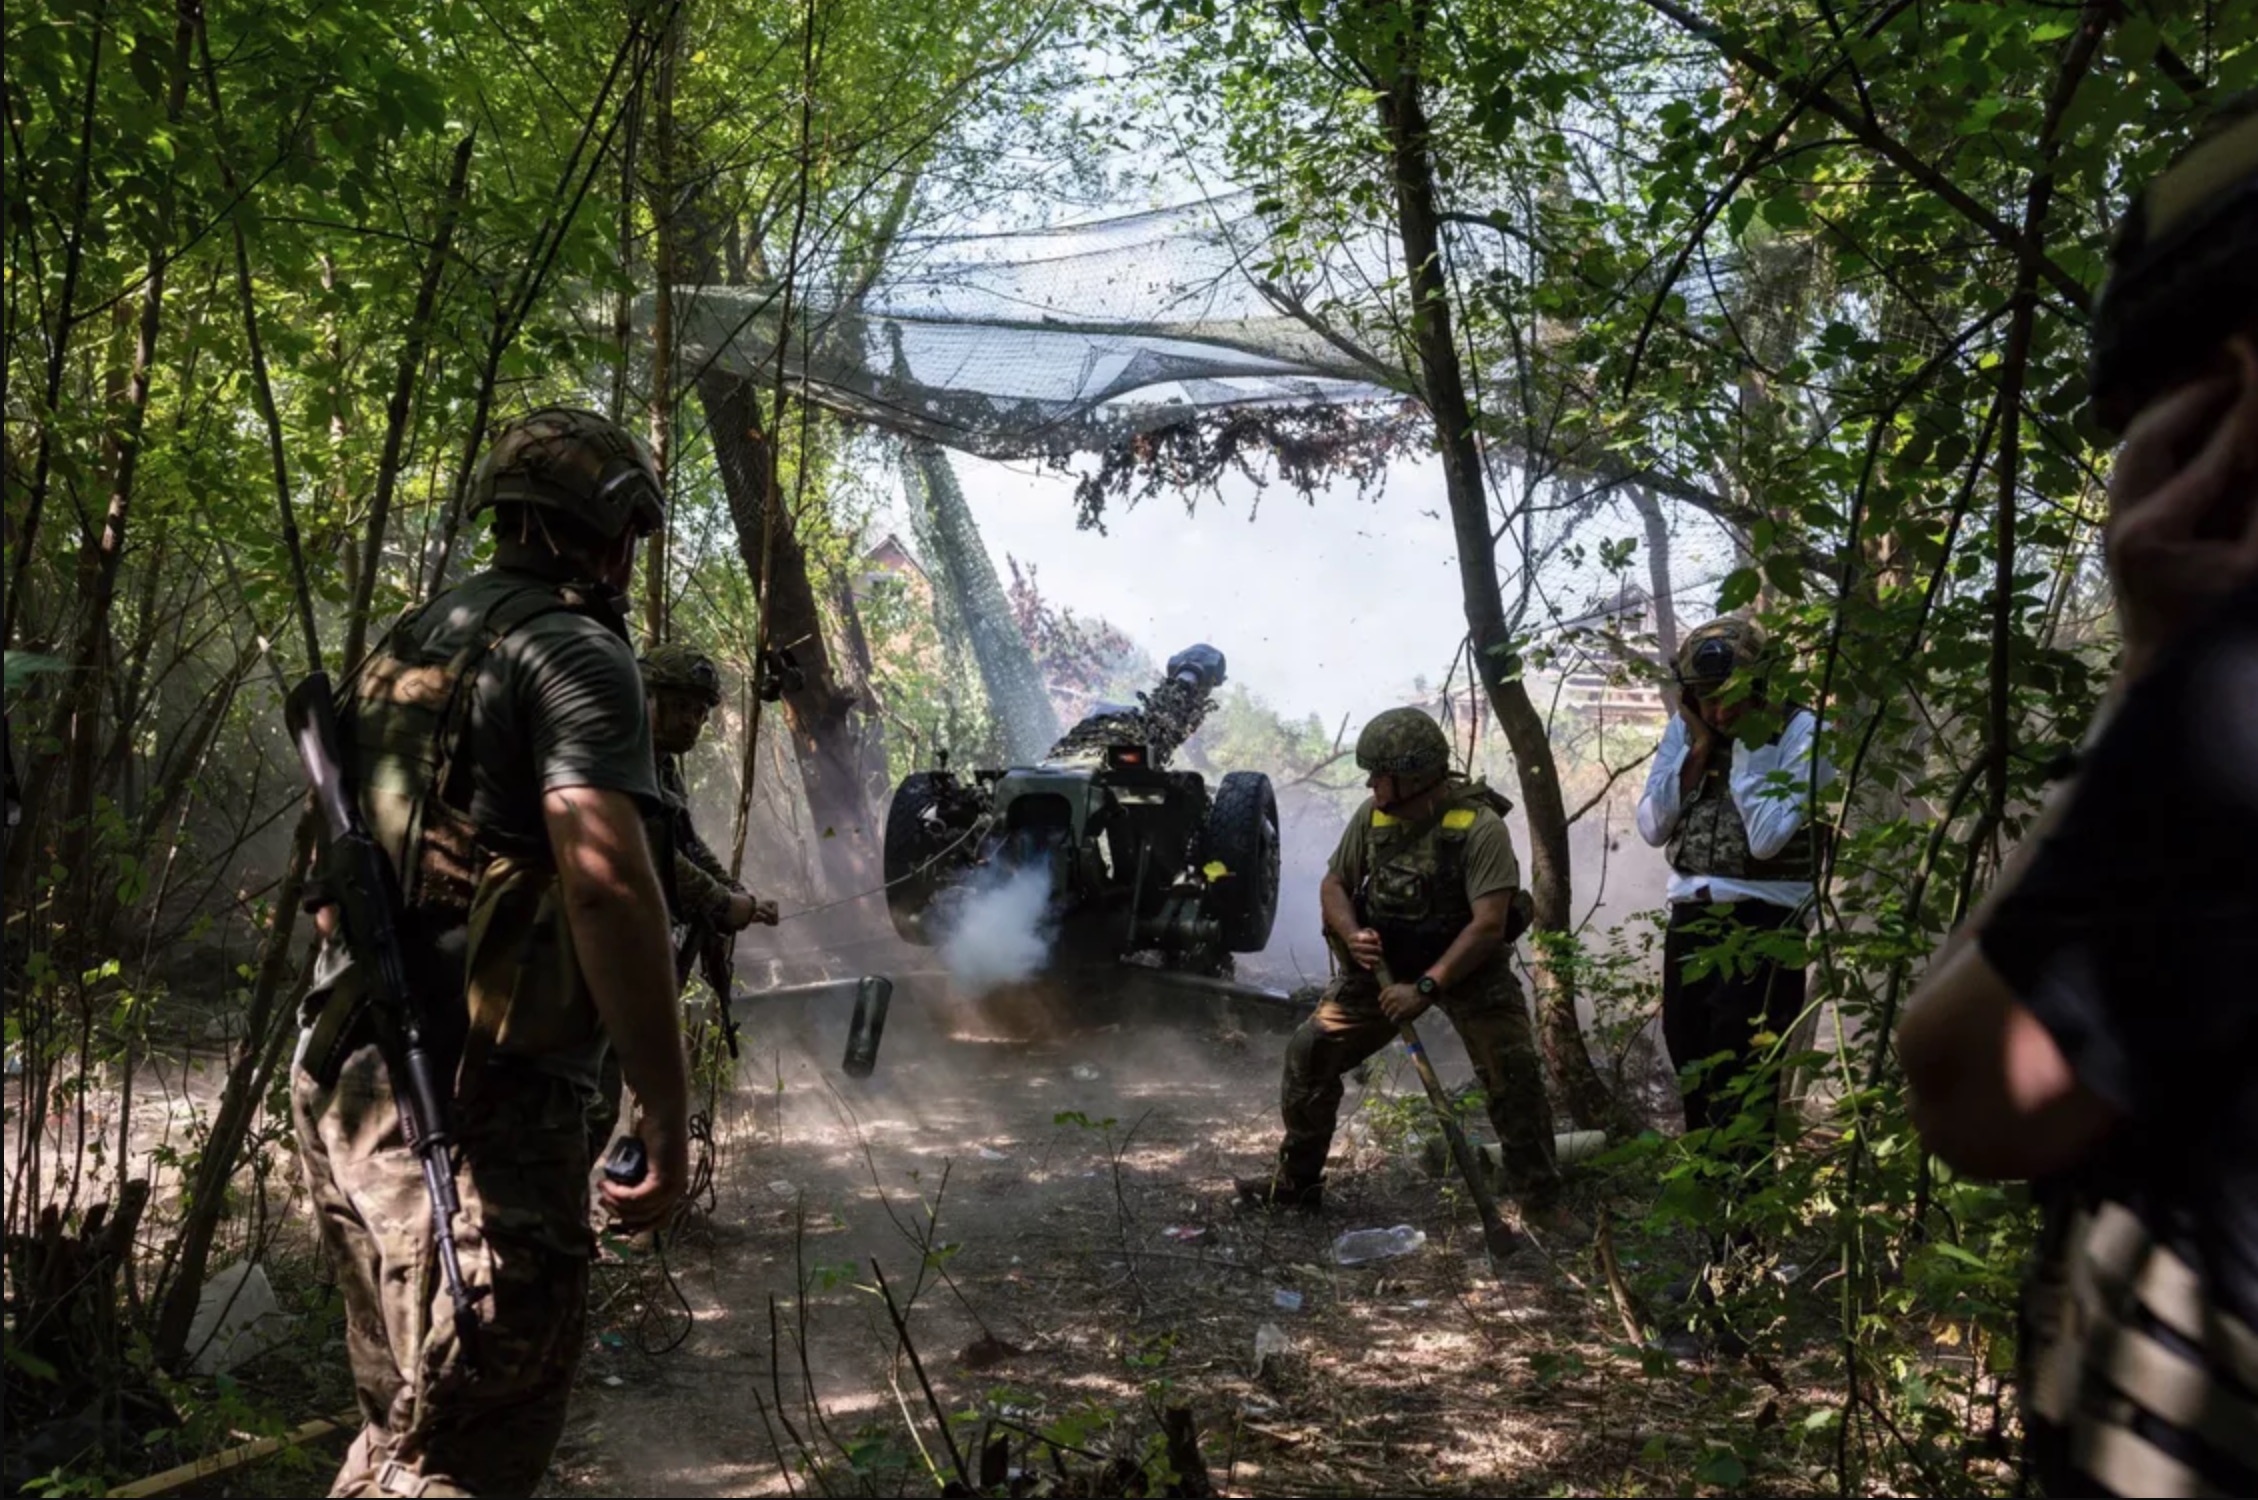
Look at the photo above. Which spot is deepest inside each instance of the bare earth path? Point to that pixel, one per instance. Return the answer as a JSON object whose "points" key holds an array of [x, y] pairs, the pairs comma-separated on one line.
{"points": [[1065, 1295]]}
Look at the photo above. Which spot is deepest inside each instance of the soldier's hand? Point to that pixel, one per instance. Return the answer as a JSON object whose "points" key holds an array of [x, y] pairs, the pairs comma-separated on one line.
{"points": [[1403, 1003], [2183, 531], [1699, 736], [646, 1205], [744, 911], [1364, 947]]}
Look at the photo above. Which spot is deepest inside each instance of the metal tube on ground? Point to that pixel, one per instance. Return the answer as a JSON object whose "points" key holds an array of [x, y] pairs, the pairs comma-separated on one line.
{"points": [[1224, 989]]}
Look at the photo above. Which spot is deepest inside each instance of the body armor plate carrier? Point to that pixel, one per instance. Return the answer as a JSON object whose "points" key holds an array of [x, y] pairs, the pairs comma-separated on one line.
{"points": [[1712, 839], [1414, 890]]}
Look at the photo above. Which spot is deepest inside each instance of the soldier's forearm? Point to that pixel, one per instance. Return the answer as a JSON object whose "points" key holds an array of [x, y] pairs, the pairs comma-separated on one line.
{"points": [[700, 853], [619, 933], [1476, 944], [1339, 909], [700, 893]]}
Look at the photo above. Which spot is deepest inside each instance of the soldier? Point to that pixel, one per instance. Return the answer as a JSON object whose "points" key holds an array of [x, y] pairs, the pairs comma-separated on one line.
{"points": [[1425, 879], [2090, 1026], [506, 768], [1732, 810], [682, 687]]}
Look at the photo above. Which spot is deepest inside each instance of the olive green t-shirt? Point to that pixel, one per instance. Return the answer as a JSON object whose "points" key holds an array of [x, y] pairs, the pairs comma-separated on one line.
{"points": [[557, 703], [560, 704]]}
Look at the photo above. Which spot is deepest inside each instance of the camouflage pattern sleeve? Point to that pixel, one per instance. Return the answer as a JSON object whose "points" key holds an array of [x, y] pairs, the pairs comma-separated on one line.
{"points": [[701, 881], [702, 893]]}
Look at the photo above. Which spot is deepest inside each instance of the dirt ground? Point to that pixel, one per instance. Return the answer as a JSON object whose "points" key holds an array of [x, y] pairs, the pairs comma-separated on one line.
{"points": [[1084, 1274]]}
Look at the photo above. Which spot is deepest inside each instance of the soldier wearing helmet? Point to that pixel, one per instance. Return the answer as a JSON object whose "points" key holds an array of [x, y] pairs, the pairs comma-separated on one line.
{"points": [[1424, 880], [683, 688], [2090, 1026], [1728, 798], [506, 769]]}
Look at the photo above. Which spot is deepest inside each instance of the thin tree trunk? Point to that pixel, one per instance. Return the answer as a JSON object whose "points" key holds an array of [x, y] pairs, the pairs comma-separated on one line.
{"points": [[663, 273], [841, 752], [239, 1101], [79, 709], [1660, 586], [1443, 385], [74, 257], [403, 397]]}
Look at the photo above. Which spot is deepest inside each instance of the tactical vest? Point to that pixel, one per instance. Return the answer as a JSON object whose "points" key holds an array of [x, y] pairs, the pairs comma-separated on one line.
{"points": [[408, 723], [2121, 1338], [481, 917], [1414, 889], [1711, 838]]}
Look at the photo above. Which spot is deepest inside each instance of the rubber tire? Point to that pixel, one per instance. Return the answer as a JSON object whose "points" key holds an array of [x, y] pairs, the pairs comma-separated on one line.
{"points": [[1242, 832], [909, 843]]}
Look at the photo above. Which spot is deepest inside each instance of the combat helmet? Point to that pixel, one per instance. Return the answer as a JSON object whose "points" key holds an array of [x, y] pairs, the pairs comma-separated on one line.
{"points": [[683, 669], [2186, 251], [579, 463], [1403, 742], [1709, 656]]}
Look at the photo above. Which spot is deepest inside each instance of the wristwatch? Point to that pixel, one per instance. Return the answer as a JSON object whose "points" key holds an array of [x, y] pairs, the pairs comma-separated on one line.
{"points": [[1427, 987]]}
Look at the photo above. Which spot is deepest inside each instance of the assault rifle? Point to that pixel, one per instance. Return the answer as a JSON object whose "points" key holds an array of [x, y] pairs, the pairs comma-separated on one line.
{"points": [[712, 949], [365, 889]]}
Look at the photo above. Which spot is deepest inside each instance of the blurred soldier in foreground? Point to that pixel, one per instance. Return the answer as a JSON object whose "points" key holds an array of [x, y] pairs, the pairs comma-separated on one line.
{"points": [[2093, 1025], [1425, 880], [683, 687], [506, 769], [1729, 797]]}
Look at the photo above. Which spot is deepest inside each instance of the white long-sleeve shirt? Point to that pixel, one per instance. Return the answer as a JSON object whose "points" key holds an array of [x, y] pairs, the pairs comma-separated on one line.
{"points": [[1771, 785]]}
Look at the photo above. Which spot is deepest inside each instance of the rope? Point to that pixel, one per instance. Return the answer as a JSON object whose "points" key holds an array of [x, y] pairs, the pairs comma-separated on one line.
{"points": [[928, 863]]}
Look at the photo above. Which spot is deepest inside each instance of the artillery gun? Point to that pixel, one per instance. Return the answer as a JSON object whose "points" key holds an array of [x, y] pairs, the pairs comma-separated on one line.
{"points": [[1140, 861]]}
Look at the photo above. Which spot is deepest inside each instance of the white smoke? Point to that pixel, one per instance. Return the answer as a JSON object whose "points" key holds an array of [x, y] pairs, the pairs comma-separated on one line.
{"points": [[1000, 935]]}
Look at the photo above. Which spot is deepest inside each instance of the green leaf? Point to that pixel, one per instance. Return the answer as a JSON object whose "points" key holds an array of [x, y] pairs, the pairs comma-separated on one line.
{"points": [[1721, 1467], [1739, 588]]}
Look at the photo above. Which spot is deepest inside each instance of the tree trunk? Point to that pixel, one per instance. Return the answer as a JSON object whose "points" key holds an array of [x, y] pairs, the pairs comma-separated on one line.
{"points": [[1443, 387], [74, 255], [663, 273], [842, 753], [1659, 585], [403, 396], [79, 709], [239, 1101]]}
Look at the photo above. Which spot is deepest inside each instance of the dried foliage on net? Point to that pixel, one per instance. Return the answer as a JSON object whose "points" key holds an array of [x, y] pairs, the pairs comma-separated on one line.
{"points": [[1304, 447], [1078, 656]]}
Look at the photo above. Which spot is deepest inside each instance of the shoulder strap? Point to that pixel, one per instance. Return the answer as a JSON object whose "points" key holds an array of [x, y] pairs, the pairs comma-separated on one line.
{"points": [[511, 612]]}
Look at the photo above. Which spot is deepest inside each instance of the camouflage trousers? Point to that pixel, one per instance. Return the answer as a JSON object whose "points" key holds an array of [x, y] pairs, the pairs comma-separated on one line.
{"points": [[603, 1110], [432, 1424], [1349, 1027]]}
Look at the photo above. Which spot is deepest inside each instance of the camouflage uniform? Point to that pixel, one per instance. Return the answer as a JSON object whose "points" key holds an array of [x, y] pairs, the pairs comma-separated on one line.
{"points": [[514, 684], [1422, 885]]}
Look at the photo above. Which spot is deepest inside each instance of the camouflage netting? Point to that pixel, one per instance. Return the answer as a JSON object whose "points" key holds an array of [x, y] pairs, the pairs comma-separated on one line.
{"points": [[1163, 719], [970, 602], [1057, 341]]}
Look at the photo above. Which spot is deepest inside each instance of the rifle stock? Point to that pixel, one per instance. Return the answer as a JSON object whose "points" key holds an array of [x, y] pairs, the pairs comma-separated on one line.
{"points": [[365, 889]]}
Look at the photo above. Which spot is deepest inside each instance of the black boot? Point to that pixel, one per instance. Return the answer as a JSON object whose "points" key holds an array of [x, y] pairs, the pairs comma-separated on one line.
{"points": [[1275, 1191]]}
